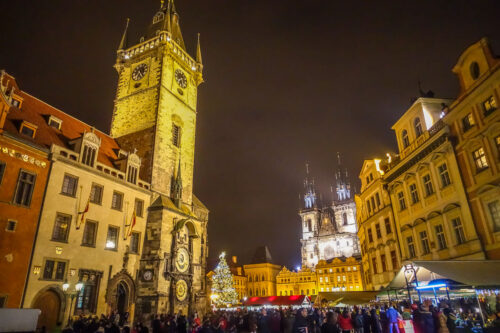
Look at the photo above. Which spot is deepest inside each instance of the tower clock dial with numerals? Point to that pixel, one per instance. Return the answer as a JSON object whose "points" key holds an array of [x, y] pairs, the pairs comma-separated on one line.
{"points": [[181, 78], [182, 260], [139, 72]]}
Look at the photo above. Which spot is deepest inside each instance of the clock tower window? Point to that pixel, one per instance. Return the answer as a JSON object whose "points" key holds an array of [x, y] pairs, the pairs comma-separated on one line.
{"points": [[176, 135]]}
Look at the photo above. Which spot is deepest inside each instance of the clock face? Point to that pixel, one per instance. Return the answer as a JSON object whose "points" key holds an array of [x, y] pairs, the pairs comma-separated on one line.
{"points": [[182, 260], [147, 275], [181, 288], [181, 79], [139, 72]]}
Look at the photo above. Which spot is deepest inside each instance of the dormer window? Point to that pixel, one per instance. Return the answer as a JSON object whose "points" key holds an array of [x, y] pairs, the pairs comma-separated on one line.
{"points": [[158, 17], [16, 103], [418, 127], [54, 122], [28, 129], [405, 139], [89, 154], [133, 165]]}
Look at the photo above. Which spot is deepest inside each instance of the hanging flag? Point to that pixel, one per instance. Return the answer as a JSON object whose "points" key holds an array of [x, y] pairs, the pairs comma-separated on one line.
{"points": [[132, 223], [85, 211]]}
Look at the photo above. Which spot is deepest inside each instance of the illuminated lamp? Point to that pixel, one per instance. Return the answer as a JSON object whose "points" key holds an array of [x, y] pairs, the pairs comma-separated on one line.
{"points": [[432, 286]]}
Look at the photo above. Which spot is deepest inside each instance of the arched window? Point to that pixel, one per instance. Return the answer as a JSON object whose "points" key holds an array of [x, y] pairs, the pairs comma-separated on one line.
{"points": [[405, 139], [256, 278], [263, 292], [344, 218], [418, 127], [281, 293], [158, 17], [307, 292], [263, 279], [256, 292], [250, 278]]}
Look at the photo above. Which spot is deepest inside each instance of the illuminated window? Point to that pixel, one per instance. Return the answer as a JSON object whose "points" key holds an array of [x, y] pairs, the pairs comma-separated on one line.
{"points": [[414, 193], [405, 139], [96, 194], [467, 122], [440, 236], [429, 189], [425, 242], [117, 201], [134, 242], [54, 270], [24, 188], [321, 279], [489, 105], [176, 135], [89, 233], [494, 208], [401, 200], [387, 223], [480, 159], [326, 278], [459, 230], [61, 228], [69, 185], [112, 238], [411, 246], [418, 127], [444, 175]]}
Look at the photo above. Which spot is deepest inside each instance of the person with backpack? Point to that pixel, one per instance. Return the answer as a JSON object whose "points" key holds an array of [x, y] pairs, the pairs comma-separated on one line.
{"points": [[392, 319]]}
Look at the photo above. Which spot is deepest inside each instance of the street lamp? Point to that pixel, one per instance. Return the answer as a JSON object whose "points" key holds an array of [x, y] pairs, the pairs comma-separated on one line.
{"points": [[71, 293]]}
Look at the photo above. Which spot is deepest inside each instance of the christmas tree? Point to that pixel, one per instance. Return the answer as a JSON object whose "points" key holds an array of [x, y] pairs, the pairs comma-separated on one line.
{"points": [[223, 292]]}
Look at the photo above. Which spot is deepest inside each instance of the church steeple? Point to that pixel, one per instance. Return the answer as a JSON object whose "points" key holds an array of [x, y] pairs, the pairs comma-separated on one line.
{"points": [[167, 19], [198, 51], [342, 183], [124, 40], [310, 191], [176, 191]]}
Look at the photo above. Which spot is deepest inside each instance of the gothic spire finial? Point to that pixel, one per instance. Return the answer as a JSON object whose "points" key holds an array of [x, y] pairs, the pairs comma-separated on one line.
{"points": [[198, 51], [123, 42]]}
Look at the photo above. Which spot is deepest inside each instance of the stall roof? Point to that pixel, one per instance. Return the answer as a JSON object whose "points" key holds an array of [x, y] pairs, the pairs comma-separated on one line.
{"points": [[477, 273], [347, 297], [278, 300]]}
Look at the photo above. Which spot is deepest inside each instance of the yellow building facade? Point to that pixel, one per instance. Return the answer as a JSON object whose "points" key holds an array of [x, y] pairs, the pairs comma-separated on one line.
{"points": [[381, 254], [302, 282], [339, 275]]}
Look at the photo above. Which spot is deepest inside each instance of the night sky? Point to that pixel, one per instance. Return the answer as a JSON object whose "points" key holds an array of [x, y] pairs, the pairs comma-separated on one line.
{"points": [[286, 82]]}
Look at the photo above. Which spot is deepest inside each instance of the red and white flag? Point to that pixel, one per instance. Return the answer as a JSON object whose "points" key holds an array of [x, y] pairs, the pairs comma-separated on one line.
{"points": [[132, 223]]}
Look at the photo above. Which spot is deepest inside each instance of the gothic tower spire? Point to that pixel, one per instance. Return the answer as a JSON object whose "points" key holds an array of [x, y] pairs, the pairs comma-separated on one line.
{"points": [[198, 51], [310, 191], [124, 40], [177, 186], [343, 185]]}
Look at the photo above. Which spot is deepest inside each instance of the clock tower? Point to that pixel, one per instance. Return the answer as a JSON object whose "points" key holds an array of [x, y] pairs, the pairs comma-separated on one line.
{"points": [[155, 114]]}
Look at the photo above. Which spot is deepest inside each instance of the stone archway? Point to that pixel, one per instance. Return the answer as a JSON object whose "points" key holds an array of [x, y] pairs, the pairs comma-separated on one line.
{"points": [[120, 294], [52, 302]]}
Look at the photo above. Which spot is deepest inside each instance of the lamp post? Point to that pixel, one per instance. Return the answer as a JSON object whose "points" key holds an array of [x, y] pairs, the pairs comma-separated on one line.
{"points": [[72, 294]]}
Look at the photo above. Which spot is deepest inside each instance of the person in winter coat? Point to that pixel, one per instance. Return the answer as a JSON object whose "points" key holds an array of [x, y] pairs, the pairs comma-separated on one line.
{"points": [[392, 319], [375, 322], [345, 322], [450, 319], [367, 321], [357, 319], [423, 320], [300, 324], [330, 326], [263, 323]]}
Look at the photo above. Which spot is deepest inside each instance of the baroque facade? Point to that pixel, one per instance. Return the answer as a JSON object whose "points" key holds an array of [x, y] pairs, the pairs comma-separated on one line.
{"points": [[107, 222], [328, 232]]}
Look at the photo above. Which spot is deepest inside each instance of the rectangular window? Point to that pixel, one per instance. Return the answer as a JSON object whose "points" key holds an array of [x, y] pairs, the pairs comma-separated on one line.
{"points": [[89, 233], [132, 174], [384, 264], [489, 105], [176, 135], [54, 270], [139, 207], [112, 238], [374, 265], [369, 206], [117, 201], [377, 199], [414, 193], [134, 242], [401, 200], [377, 231], [2, 170], [372, 200], [61, 228], [459, 230], [96, 194], [88, 156], [11, 226], [394, 260], [370, 236], [28, 130], [480, 159], [429, 189], [425, 242], [494, 208], [468, 122], [24, 188], [411, 247], [69, 185], [444, 175], [440, 236], [388, 228]]}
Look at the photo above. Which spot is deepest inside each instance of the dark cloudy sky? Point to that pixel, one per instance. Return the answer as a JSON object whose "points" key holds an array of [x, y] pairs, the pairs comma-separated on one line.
{"points": [[286, 81]]}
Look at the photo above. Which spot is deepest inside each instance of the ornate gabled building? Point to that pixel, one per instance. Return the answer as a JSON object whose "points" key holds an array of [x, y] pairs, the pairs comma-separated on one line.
{"points": [[328, 232]]}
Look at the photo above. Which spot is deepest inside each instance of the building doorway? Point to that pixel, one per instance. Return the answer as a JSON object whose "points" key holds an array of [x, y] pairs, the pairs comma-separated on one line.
{"points": [[50, 305], [121, 298]]}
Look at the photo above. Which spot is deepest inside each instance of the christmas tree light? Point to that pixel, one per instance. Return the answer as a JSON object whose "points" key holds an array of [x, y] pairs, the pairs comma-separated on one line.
{"points": [[223, 292]]}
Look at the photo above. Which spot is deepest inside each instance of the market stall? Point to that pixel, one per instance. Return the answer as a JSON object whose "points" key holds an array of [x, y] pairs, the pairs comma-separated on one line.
{"points": [[332, 299], [294, 301]]}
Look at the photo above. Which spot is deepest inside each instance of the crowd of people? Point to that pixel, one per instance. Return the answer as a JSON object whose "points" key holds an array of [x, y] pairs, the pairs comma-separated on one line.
{"points": [[383, 318]]}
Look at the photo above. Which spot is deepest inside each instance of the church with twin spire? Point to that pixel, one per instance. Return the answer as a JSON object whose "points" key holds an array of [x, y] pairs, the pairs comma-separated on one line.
{"points": [[328, 231]]}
